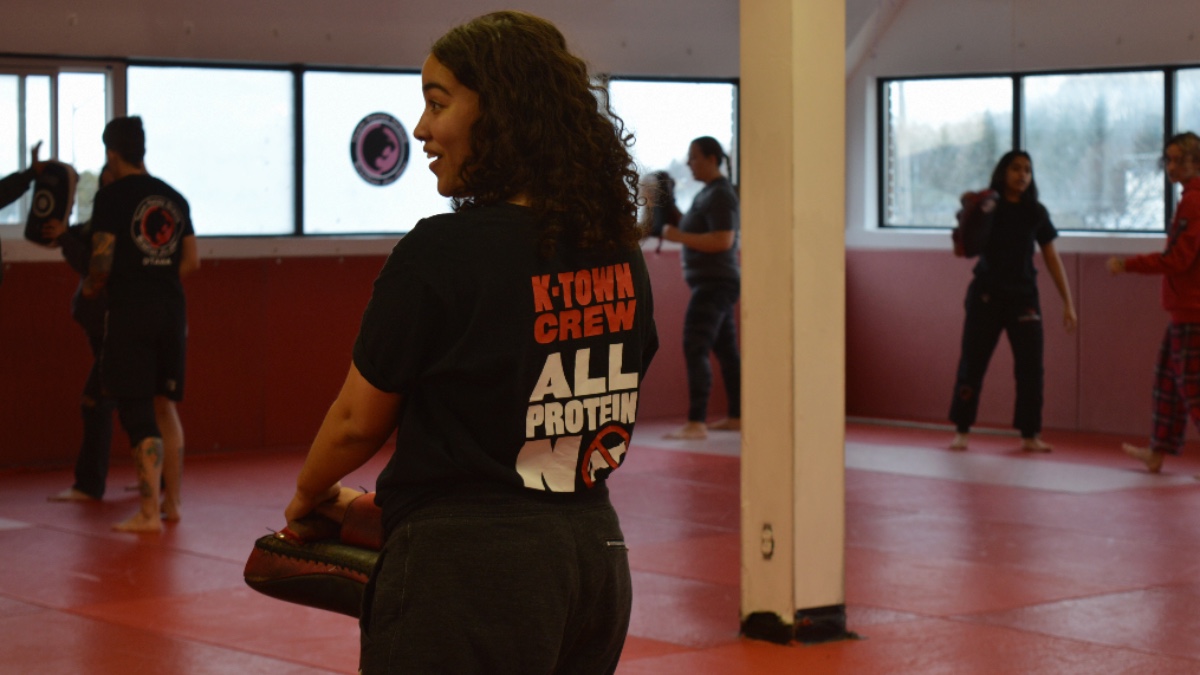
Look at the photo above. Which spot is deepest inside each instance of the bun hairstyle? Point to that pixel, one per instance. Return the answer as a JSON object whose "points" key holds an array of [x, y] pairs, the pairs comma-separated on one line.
{"points": [[711, 147], [544, 132]]}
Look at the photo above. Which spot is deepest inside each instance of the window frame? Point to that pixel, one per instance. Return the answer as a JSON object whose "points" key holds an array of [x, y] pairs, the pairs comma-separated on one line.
{"points": [[1170, 127], [116, 71]]}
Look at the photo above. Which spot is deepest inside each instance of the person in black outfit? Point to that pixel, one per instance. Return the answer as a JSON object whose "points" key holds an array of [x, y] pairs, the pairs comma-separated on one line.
{"points": [[505, 345], [96, 406], [1003, 298], [143, 243]]}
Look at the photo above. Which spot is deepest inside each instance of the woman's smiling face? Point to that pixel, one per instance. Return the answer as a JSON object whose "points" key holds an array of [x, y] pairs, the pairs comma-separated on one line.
{"points": [[1180, 167], [445, 126]]}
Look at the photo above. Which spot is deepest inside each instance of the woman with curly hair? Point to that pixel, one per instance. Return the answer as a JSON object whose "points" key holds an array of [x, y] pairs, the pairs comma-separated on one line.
{"points": [[504, 344]]}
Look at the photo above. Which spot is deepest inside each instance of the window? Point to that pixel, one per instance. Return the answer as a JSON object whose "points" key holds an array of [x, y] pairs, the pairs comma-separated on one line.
{"points": [[337, 198], [1187, 100], [82, 114], [1095, 140], [941, 138], [271, 150], [223, 137], [12, 150], [71, 135], [664, 118]]}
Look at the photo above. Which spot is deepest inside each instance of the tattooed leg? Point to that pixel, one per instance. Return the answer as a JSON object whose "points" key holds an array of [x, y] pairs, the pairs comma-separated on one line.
{"points": [[172, 436], [148, 457]]}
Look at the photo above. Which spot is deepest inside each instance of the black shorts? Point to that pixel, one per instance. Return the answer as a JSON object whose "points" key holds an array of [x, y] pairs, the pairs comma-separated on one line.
{"points": [[145, 350]]}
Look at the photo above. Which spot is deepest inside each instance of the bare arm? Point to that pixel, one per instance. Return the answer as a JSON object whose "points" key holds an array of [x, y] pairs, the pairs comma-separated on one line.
{"points": [[1055, 267], [358, 423], [191, 257], [705, 242], [101, 264]]}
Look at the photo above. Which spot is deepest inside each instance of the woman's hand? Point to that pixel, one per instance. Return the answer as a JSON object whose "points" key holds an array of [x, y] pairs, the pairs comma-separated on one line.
{"points": [[53, 229], [335, 509], [304, 503], [1070, 320], [1116, 265], [671, 233]]}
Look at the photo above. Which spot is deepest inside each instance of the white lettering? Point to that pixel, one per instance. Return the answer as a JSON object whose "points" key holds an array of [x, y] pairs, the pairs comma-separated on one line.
{"points": [[534, 417], [553, 381], [554, 419], [585, 385], [574, 417], [616, 379], [629, 407], [549, 465]]}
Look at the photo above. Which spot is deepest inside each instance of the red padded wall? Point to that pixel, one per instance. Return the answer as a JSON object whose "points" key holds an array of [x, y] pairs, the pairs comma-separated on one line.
{"points": [[269, 345]]}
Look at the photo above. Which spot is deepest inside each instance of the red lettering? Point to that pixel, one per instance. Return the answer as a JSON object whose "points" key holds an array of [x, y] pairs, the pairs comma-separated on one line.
{"points": [[541, 294], [568, 326], [543, 328], [624, 281], [602, 283], [583, 288], [593, 321], [620, 315], [564, 280]]}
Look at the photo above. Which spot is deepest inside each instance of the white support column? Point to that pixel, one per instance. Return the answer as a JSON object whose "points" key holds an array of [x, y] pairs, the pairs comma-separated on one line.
{"points": [[793, 316]]}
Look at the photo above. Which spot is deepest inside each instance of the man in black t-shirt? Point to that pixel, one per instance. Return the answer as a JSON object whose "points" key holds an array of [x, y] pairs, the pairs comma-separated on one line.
{"points": [[142, 244]]}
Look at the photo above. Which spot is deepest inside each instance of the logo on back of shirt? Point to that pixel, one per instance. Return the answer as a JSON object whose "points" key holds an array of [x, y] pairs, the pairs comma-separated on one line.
{"points": [[157, 229], [584, 405]]}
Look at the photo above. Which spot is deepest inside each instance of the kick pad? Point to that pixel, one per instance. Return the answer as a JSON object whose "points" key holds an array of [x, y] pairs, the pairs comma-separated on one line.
{"points": [[53, 199], [319, 563]]}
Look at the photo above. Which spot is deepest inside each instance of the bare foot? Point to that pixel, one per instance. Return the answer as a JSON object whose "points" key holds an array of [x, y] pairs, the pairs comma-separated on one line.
{"points": [[690, 431], [170, 511], [140, 522], [72, 495], [1153, 460], [1035, 444], [727, 424], [959, 442]]}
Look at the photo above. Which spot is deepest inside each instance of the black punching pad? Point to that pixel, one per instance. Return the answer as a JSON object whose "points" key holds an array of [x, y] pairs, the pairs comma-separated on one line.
{"points": [[53, 199], [974, 223], [320, 563]]}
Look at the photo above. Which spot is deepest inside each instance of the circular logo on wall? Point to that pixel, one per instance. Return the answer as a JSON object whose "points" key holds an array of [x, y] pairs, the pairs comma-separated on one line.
{"points": [[43, 203], [379, 149]]}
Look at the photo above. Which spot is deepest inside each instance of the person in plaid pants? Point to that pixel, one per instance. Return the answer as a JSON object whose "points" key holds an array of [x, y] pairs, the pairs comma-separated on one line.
{"points": [[1177, 379]]}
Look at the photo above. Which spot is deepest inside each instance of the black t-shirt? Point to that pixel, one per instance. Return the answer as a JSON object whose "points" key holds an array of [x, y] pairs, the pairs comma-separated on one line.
{"points": [[1006, 262], [715, 209], [517, 371], [149, 220]]}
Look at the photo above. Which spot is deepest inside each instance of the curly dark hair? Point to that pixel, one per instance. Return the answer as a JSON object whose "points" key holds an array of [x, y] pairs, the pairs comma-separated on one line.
{"points": [[544, 132]]}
